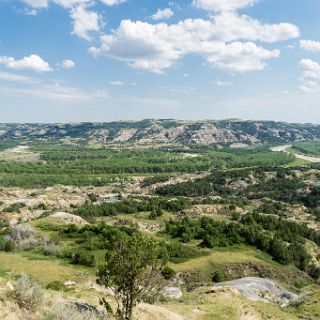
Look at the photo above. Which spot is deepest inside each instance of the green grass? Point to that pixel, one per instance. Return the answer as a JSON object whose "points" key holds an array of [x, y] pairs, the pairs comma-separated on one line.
{"points": [[225, 305], [220, 257], [297, 163], [44, 271], [3, 273], [308, 148], [309, 306]]}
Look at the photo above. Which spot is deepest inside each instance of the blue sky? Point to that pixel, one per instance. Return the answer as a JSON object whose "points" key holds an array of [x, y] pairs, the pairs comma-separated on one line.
{"points": [[104, 60]]}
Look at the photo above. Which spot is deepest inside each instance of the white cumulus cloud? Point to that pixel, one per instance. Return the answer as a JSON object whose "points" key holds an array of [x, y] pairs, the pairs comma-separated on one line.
{"points": [[310, 76], [41, 4], [112, 2], [226, 40], [84, 22], [241, 57], [223, 5], [32, 62], [37, 4], [70, 3], [311, 46], [156, 47], [310, 87], [229, 26], [310, 69], [68, 64], [162, 14]]}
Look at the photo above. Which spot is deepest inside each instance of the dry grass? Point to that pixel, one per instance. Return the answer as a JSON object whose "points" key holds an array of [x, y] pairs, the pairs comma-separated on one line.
{"points": [[224, 305]]}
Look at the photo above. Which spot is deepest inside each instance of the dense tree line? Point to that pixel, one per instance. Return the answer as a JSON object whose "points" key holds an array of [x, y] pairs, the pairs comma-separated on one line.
{"points": [[149, 181], [270, 207], [255, 183], [81, 165], [44, 180], [289, 231], [278, 188], [197, 188], [312, 198], [281, 239], [130, 206], [215, 184]]}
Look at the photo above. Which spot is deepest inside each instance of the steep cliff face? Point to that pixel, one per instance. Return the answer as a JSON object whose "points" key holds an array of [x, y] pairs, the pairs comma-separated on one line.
{"points": [[167, 131]]}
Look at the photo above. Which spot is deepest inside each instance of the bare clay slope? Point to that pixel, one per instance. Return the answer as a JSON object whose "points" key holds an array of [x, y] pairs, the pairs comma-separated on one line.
{"points": [[167, 131]]}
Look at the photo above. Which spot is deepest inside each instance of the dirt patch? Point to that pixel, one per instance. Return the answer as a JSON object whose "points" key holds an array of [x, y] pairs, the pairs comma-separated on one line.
{"points": [[212, 210], [20, 154], [68, 218]]}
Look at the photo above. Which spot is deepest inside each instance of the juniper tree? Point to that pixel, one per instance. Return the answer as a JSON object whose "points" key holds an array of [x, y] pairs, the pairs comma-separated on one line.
{"points": [[132, 270]]}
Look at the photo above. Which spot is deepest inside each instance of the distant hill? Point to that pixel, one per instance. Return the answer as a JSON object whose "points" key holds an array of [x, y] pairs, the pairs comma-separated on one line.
{"points": [[167, 131]]}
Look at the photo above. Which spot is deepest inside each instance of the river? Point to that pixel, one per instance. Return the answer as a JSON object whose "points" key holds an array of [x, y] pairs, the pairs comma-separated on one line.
{"points": [[297, 155]]}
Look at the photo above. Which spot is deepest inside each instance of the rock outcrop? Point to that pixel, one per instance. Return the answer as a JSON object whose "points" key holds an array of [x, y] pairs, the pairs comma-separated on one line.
{"points": [[233, 132]]}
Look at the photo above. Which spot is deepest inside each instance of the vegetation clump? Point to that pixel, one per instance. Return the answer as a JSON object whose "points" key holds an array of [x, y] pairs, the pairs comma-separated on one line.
{"points": [[132, 270], [21, 237], [28, 293], [83, 257], [283, 240]]}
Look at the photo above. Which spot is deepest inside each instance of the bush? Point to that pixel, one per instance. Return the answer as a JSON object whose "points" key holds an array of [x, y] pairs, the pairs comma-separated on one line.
{"points": [[236, 216], [6, 246], [72, 311], [83, 257], [15, 207], [3, 223], [218, 276], [56, 285], [27, 292], [48, 247], [41, 206], [22, 237], [168, 273], [314, 272], [156, 213], [302, 283], [179, 253], [93, 197]]}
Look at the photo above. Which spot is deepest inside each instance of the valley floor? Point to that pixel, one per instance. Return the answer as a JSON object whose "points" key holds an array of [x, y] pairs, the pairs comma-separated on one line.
{"points": [[223, 214]]}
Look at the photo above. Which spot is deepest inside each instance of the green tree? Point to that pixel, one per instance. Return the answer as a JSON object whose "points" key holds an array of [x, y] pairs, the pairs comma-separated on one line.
{"points": [[132, 270]]}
